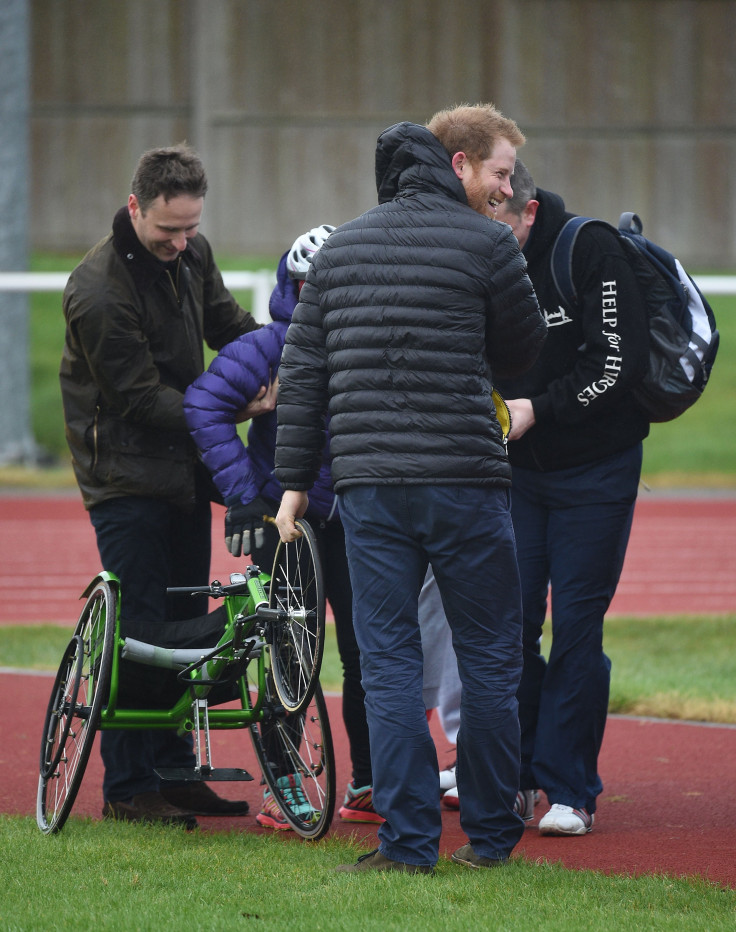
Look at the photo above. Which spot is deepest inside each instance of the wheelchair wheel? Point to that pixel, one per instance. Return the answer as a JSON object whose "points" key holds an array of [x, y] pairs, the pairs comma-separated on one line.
{"points": [[297, 760], [297, 638], [73, 713]]}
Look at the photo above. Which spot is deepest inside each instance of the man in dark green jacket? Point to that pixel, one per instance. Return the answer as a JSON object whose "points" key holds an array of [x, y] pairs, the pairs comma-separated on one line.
{"points": [[137, 309]]}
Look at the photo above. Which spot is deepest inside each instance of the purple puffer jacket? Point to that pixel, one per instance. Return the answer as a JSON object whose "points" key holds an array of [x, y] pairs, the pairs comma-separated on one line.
{"points": [[213, 401]]}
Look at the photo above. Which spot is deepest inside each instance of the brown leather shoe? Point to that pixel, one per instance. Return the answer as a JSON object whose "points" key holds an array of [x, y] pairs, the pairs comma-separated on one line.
{"points": [[199, 799], [469, 858], [148, 807], [375, 861]]}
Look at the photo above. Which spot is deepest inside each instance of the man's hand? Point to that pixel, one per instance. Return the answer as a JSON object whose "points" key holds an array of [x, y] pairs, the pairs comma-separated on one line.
{"points": [[264, 402], [522, 417], [244, 526], [293, 506]]}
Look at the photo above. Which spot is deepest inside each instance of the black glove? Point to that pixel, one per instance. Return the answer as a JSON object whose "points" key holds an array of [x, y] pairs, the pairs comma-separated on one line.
{"points": [[244, 526]]}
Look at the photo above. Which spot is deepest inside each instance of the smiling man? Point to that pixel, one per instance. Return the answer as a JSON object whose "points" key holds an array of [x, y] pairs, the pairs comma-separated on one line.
{"points": [[137, 309], [406, 315]]}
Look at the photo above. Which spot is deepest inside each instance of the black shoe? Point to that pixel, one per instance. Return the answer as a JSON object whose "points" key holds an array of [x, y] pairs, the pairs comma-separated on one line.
{"points": [[199, 799], [148, 807], [375, 861]]}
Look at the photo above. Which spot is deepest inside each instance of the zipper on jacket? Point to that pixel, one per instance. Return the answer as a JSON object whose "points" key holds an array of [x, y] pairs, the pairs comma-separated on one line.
{"points": [[94, 436], [175, 283]]}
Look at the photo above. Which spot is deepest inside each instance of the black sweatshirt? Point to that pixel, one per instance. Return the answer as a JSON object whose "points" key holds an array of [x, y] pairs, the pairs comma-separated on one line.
{"points": [[594, 353]]}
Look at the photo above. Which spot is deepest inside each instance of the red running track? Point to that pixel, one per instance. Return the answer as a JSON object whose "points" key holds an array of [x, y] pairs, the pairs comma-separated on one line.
{"points": [[666, 806], [681, 558]]}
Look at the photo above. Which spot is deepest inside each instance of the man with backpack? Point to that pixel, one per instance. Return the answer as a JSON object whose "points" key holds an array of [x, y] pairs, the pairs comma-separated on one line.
{"points": [[576, 453]]}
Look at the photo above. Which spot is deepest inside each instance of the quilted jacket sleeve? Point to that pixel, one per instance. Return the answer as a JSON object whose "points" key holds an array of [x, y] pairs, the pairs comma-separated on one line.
{"points": [[303, 395], [212, 404], [515, 331]]}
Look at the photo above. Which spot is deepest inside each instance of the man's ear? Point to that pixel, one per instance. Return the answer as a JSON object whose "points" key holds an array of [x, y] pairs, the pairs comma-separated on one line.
{"points": [[530, 212], [133, 206], [459, 161]]}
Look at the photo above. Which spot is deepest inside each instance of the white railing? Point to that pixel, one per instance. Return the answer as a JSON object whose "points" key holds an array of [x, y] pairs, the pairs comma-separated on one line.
{"points": [[716, 284], [260, 283]]}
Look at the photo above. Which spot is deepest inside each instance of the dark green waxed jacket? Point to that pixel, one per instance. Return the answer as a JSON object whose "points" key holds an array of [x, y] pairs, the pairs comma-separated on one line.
{"points": [[135, 329]]}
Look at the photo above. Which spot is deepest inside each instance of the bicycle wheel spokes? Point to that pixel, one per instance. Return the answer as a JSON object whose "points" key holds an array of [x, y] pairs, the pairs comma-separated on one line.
{"points": [[74, 709], [60, 711], [296, 756], [297, 637]]}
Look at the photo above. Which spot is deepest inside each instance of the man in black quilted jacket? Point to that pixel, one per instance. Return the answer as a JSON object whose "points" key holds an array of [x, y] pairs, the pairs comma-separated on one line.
{"points": [[407, 315]]}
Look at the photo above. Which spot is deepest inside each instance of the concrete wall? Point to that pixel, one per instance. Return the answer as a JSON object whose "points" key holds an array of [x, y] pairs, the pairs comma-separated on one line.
{"points": [[626, 104]]}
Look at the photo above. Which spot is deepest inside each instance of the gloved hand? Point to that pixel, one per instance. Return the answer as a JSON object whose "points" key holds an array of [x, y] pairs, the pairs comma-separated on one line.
{"points": [[244, 526]]}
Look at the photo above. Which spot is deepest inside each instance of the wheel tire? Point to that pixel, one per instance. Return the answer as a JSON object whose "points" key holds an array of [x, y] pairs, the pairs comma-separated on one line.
{"points": [[298, 745], [73, 714], [297, 638]]}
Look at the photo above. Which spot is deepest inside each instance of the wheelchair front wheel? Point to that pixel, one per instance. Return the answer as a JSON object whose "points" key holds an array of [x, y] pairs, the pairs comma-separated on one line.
{"points": [[297, 638], [73, 714], [297, 761]]}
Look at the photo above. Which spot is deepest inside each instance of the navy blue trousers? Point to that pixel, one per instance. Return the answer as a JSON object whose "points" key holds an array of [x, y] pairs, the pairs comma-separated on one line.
{"points": [[392, 533], [150, 545], [572, 528]]}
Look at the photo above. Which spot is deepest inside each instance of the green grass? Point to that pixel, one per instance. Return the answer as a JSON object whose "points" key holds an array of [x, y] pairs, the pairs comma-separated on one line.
{"points": [[102, 876], [673, 667], [95, 875], [681, 667], [697, 449]]}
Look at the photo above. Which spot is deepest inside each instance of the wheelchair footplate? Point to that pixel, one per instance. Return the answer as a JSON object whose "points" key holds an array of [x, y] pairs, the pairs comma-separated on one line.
{"points": [[204, 774]]}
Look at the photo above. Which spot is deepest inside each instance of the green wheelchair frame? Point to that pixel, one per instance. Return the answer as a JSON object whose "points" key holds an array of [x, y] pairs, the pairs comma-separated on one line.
{"points": [[269, 656]]}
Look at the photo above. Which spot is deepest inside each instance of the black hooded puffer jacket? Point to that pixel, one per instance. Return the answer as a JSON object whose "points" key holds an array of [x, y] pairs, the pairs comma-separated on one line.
{"points": [[406, 315]]}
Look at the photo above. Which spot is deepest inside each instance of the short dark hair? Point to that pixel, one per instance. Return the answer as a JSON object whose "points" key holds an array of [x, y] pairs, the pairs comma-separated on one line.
{"points": [[523, 187], [169, 171]]}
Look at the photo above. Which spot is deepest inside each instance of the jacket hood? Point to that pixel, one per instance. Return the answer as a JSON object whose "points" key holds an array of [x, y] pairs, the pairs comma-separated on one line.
{"points": [[409, 157], [285, 295], [551, 216]]}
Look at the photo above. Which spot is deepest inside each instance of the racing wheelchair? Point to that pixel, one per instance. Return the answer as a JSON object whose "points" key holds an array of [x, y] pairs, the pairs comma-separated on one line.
{"points": [[264, 665]]}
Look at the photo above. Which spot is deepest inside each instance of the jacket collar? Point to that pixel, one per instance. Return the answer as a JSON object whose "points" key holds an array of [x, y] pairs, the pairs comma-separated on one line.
{"points": [[144, 268], [551, 217]]}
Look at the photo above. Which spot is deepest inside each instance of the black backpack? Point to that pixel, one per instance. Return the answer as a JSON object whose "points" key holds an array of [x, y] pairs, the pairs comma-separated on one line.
{"points": [[683, 339]]}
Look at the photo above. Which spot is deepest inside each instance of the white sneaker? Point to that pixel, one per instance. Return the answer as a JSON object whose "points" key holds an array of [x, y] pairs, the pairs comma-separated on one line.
{"points": [[448, 780], [564, 820]]}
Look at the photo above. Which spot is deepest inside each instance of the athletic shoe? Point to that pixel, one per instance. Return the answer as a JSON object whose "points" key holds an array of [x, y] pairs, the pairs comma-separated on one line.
{"points": [[375, 861], [469, 858], [564, 820], [451, 799], [271, 815], [525, 802], [358, 805], [448, 780]]}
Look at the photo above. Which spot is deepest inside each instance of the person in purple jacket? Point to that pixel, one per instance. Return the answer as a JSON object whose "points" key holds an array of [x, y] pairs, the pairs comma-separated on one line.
{"points": [[244, 476]]}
